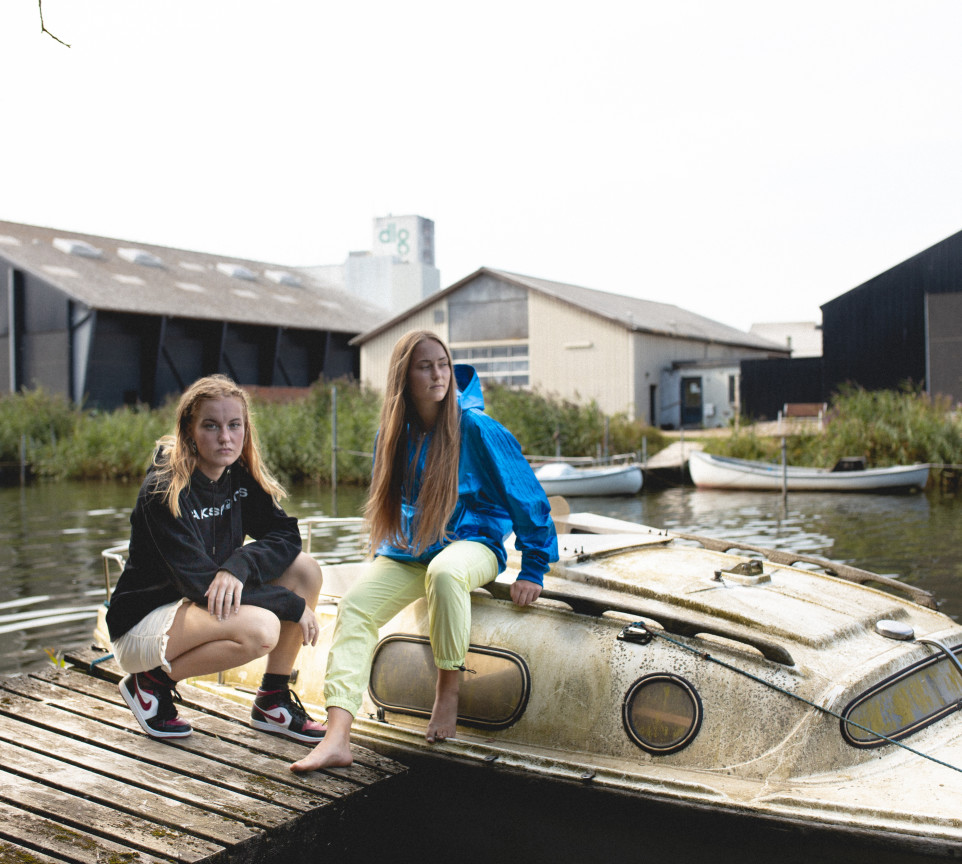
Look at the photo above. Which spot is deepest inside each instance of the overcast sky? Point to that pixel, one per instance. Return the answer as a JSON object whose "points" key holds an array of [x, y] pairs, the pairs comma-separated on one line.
{"points": [[747, 160]]}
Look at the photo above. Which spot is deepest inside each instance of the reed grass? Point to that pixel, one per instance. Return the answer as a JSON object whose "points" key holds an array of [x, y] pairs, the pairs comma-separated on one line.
{"points": [[67, 442], [885, 427]]}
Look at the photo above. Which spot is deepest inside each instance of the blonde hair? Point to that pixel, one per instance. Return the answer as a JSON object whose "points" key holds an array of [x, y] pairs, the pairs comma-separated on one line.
{"points": [[175, 459], [439, 483]]}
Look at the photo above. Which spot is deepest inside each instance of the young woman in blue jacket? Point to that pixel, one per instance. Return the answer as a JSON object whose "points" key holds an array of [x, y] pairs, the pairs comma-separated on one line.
{"points": [[449, 484], [194, 598]]}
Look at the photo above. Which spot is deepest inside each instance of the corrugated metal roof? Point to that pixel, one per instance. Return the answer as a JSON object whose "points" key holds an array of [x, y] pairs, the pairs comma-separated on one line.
{"points": [[144, 279], [644, 316]]}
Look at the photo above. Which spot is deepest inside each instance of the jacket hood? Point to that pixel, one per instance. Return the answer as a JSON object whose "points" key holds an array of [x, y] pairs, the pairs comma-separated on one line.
{"points": [[469, 387]]}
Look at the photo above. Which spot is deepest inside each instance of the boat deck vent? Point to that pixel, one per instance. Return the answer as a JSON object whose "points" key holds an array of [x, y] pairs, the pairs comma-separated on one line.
{"points": [[894, 630]]}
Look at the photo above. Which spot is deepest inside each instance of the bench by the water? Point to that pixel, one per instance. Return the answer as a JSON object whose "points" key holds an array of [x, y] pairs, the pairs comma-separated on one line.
{"points": [[80, 782]]}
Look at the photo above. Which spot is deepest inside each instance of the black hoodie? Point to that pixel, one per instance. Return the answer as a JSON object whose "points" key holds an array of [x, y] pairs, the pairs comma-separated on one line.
{"points": [[170, 558]]}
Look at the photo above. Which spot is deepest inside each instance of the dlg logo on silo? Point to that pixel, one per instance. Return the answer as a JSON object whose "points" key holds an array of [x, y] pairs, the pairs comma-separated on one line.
{"points": [[392, 234]]}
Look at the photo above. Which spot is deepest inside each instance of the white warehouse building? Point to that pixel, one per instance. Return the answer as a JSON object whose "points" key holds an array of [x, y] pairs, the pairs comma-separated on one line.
{"points": [[654, 362]]}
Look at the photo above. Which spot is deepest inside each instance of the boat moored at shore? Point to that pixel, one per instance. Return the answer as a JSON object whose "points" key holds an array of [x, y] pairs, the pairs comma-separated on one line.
{"points": [[723, 472], [560, 478]]}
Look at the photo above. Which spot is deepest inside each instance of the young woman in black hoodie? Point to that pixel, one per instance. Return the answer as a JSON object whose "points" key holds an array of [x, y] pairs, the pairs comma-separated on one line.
{"points": [[193, 597]]}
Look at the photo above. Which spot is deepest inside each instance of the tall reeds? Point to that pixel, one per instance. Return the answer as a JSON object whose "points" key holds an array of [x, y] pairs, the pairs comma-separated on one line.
{"points": [[885, 427], [67, 442]]}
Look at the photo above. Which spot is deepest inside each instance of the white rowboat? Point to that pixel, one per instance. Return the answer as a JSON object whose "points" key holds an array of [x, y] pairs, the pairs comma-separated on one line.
{"points": [[722, 472], [560, 478]]}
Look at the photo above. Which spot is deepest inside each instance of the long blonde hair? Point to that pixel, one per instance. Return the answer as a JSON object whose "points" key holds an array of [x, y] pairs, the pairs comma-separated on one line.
{"points": [[439, 482], [175, 460]]}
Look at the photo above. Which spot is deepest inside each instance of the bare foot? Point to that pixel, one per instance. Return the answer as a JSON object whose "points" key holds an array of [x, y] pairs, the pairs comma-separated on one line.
{"points": [[327, 754], [444, 714], [334, 750]]}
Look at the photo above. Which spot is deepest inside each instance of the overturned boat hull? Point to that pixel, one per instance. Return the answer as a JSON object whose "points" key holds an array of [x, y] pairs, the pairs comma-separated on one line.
{"points": [[683, 670]]}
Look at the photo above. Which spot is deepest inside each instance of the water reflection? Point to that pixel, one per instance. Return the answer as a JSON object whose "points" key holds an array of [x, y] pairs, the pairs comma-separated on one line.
{"points": [[51, 574]]}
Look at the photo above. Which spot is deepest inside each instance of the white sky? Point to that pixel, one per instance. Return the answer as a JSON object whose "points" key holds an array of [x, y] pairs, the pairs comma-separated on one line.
{"points": [[747, 160]]}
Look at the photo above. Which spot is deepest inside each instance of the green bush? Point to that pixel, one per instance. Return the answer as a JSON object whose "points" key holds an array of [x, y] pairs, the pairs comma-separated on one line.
{"points": [[34, 419], [889, 427], [115, 444], [296, 436], [546, 425], [886, 427], [66, 442]]}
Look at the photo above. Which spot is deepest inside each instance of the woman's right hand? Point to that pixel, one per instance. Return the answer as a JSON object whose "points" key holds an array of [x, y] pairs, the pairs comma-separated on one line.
{"points": [[309, 626], [224, 595]]}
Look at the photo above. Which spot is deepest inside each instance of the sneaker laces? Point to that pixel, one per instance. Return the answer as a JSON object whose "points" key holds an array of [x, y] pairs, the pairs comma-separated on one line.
{"points": [[167, 696], [298, 711]]}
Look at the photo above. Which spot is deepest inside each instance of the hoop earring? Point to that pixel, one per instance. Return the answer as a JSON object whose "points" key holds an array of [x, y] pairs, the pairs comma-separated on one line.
{"points": [[193, 446]]}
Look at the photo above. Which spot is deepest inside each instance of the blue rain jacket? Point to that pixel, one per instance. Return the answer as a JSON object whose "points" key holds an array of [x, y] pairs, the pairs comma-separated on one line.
{"points": [[497, 491]]}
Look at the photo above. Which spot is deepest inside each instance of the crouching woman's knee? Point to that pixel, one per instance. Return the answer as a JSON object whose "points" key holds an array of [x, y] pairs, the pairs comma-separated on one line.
{"points": [[260, 632], [303, 577]]}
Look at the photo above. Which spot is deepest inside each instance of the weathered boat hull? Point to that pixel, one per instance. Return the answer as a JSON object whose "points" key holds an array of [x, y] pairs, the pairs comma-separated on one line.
{"points": [[715, 472], [565, 480], [767, 655]]}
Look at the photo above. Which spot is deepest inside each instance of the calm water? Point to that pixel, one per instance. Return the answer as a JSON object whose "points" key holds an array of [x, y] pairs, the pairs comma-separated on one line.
{"points": [[51, 583], [51, 536]]}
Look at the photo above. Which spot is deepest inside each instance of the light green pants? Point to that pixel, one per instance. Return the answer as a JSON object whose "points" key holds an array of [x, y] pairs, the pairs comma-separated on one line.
{"points": [[388, 586]]}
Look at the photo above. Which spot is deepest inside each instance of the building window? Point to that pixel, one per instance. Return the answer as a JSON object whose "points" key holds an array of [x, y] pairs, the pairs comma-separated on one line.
{"points": [[505, 363], [732, 389]]}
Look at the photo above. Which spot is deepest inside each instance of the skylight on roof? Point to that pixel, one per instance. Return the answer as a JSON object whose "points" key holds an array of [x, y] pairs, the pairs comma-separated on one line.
{"points": [[244, 292], [55, 270], [77, 247], [190, 286], [237, 271], [282, 277], [7, 240], [190, 265], [128, 280], [285, 298], [140, 256]]}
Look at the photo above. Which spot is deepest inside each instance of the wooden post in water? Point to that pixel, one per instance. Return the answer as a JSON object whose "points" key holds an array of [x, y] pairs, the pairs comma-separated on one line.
{"points": [[334, 439], [784, 468]]}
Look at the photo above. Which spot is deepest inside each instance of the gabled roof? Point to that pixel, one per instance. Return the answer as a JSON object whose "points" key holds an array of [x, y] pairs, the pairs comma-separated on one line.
{"points": [[641, 316], [120, 276]]}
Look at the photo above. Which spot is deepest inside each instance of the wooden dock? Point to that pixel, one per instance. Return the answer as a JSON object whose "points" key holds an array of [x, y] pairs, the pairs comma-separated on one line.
{"points": [[80, 782]]}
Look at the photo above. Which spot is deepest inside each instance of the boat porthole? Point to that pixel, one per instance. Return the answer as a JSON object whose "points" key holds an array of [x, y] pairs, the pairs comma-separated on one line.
{"points": [[662, 713]]}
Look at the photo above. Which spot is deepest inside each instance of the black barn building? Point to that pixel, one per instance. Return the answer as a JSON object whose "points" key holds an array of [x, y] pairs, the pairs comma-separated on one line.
{"points": [[107, 322], [904, 325]]}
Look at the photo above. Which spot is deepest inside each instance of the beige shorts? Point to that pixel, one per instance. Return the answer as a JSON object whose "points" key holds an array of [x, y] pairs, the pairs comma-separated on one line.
{"points": [[144, 646]]}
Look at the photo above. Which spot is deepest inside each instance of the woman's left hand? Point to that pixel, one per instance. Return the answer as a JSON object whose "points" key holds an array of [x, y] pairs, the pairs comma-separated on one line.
{"points": [[524, 592]]}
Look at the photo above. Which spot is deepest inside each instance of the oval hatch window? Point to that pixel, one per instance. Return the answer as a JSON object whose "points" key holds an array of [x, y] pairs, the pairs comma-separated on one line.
{"points": [[662, 713], [493, 696]]}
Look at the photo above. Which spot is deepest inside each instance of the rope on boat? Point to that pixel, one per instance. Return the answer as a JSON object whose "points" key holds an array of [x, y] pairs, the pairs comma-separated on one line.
{"points": [[704, 655]]}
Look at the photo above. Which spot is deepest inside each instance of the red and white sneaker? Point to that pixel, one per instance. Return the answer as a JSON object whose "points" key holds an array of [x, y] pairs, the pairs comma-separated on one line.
{"points": [[281, 711], [153, 706]]}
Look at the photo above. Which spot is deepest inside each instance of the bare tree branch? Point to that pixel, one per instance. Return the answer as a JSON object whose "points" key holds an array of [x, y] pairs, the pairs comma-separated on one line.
{"points": [[43, 29]]}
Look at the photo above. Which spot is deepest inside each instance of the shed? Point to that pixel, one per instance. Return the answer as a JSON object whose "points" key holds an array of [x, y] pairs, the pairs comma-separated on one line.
{"points": [[574, 342], [111, 322], [904, 325]]}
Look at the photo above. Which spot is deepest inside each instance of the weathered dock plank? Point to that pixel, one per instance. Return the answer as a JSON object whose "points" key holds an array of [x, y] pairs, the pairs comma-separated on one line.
{"points": [[69, 811], [80, 782]]}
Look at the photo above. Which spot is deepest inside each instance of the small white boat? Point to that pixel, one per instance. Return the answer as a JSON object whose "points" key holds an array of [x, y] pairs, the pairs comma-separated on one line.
{"points": [[560, 478], [688, 671], [723, 472]]}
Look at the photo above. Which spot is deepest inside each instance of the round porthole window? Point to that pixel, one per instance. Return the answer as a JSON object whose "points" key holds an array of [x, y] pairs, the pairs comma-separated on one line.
{"points": [[662, 713]]}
